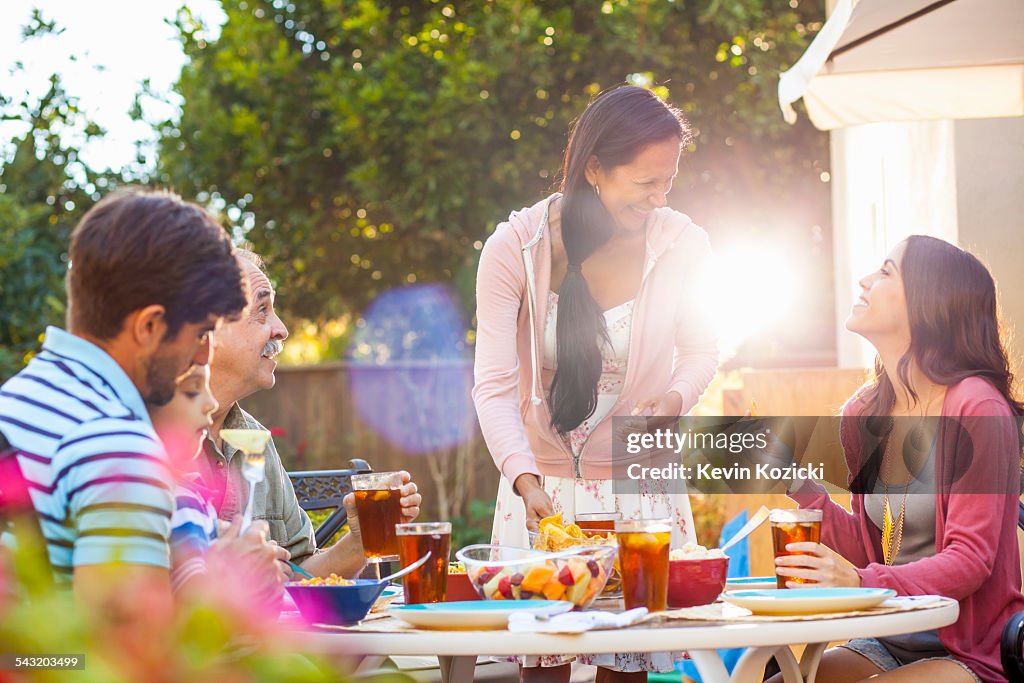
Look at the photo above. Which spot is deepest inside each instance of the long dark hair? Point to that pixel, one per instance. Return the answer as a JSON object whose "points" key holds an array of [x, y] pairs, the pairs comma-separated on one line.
{"points": [[954, 334], [615, 128]]}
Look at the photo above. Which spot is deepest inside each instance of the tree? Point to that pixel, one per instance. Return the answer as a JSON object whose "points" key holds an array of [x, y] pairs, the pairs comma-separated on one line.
{"points": [[363, 145], [44, 190]]}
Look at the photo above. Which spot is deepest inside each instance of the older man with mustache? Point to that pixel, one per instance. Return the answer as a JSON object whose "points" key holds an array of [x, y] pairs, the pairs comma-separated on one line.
{"points": [[244, 364]]}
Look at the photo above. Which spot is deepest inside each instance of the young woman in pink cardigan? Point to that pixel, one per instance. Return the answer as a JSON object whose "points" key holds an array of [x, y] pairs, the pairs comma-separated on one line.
{"points": [[930, 312], [588, 306]]}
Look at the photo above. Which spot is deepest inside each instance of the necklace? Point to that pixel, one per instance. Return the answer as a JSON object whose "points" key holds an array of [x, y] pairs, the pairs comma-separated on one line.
{"points": [[892, 529]]}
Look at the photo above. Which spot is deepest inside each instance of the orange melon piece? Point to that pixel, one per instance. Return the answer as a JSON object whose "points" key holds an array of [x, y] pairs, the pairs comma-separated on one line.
{"points": [[553, 590], [536, 578]]}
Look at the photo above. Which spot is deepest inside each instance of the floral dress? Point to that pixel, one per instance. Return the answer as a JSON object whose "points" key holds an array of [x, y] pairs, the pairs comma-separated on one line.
{"points": [[572, 496]]}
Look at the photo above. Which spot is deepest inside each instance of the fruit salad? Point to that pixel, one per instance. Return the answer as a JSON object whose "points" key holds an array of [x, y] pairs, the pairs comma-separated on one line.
{"points": [[555, 536], [499, 573]]}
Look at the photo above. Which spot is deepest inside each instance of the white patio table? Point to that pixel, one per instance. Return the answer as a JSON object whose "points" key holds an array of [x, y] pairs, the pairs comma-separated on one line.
{"points": [[457, 650]]}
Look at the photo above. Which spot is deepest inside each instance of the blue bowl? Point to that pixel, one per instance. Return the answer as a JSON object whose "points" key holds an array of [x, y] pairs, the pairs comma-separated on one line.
{"points": [[336, 605]]}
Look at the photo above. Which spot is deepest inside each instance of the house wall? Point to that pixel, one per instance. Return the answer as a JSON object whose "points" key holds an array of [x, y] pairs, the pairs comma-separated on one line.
{"points": [[990, 209], [962, 181], [889, 180]]}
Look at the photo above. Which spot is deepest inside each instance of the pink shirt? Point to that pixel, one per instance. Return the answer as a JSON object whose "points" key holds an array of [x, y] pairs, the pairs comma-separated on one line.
{"points": [[672, 343], [976, 558]]}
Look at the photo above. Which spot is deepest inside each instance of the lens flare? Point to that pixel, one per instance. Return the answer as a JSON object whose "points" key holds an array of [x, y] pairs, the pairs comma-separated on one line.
{"points": [[411, 371]]}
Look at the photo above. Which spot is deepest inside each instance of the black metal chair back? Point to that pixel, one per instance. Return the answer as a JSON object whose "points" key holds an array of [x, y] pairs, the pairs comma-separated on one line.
{"points": [[325, 489], [1010, 648], [1011, 645]]}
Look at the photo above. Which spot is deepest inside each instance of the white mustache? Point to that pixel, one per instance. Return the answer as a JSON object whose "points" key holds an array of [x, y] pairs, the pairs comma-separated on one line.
{"points": [[272, 348]]}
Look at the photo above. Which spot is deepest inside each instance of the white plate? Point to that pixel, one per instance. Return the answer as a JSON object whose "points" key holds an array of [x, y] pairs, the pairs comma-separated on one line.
{"points": [[471, 615], [807, 600], [750, 583]]}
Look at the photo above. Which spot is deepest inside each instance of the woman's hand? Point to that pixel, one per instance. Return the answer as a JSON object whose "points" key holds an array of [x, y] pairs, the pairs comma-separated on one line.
{"points": [[651, 414], [663, 405], [535, 499], [410, 502], [820, 564]]}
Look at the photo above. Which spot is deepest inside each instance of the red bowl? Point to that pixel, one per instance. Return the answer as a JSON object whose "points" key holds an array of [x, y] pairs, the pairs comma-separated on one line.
{"points": [[460, 588], [696, 582]]}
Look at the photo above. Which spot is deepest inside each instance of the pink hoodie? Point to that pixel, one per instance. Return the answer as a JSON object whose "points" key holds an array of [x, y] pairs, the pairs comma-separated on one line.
{"points": [[976, 560], [672, 343]]}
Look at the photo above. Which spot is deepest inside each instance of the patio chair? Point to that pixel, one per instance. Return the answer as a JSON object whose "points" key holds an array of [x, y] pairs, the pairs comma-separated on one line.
{"points": [[1011, 646], [18, 518], [324, 490]]}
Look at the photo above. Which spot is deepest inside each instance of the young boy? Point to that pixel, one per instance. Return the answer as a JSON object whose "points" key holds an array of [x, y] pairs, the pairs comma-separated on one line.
{"points": [[202, 558]]}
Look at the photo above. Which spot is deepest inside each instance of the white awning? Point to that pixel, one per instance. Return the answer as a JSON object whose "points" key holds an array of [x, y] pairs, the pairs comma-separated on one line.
{"points": [[903, 60]]}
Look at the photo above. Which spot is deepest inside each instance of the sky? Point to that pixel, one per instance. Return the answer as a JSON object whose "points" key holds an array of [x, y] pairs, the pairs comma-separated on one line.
{"points": [[119, 43]]}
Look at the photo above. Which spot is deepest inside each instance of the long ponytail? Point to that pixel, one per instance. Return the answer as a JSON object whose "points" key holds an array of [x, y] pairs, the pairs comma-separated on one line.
{"points": [[615, 128]]}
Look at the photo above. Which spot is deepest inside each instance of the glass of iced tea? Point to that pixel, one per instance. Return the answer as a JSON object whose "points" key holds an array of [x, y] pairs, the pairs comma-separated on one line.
{"points": [[643, 556], [601, 522], [428, 583], [793, 526], [378, 502]]}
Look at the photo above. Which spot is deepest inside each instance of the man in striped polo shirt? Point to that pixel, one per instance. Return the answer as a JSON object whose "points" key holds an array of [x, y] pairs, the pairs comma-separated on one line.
{"points": [[150, 278]]}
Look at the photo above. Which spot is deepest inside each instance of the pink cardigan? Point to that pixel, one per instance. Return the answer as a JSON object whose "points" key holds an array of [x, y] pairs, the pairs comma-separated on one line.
{"points": [[672, 345], [976, 559]]}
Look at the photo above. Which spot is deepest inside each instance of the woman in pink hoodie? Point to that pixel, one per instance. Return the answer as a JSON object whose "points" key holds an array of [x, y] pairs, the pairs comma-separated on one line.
{"points": [[589, 306], [934, 500]]}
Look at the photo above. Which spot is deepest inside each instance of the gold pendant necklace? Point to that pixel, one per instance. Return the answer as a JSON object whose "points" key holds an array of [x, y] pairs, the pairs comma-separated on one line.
{"points": [[892, 529]]}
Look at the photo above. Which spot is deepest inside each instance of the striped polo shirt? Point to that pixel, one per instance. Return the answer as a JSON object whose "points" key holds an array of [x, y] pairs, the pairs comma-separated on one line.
{"points": [[96, 471], [193, 528]]}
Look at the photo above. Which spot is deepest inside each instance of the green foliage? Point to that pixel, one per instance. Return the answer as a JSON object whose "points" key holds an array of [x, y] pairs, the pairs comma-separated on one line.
{"points": [[44, 190], [204, 641], [708, 517], [363, 145], [474, 526], [318, 517], [38, 25]]}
